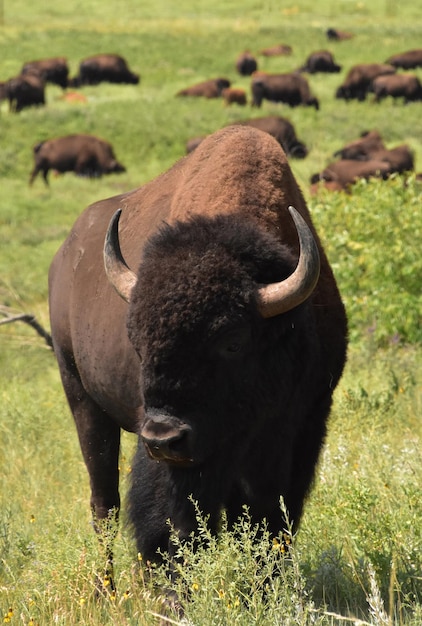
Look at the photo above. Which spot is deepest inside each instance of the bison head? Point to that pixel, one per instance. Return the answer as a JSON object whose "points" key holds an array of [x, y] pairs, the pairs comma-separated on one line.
{"points": [[213, 304]]}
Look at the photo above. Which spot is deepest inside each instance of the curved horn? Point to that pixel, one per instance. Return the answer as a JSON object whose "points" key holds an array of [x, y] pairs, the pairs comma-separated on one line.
{"points": [[118, 273], [278, 298]]}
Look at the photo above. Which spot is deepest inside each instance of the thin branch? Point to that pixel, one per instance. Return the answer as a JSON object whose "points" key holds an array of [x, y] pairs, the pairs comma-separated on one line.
{"points": [[27, 319]]}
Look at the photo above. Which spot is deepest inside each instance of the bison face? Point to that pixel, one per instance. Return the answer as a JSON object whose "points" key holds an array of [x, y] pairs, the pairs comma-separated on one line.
{"points": [[198, 321]]}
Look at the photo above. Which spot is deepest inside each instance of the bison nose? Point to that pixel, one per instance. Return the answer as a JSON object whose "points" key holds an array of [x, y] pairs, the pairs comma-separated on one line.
{"points": [[167, 438]]}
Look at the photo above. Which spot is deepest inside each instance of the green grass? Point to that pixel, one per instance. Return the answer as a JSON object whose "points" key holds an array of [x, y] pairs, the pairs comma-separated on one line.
{"points": [[358, 552]]}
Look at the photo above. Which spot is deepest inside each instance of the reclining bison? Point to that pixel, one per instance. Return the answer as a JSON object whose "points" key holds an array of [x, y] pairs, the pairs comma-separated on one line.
{"points": [[110, 68], [221, 352], [292, 89], [55, 70], [85, 155], [211, 88]]}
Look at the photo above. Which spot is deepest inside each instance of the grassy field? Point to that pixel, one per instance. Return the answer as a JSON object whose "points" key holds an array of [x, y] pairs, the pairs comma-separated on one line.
{"points": [[357, 557]]}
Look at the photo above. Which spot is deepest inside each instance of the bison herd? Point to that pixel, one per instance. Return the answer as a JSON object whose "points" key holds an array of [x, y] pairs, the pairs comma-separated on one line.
{"points": [[382, 80], [92, 156], [223, 349]]}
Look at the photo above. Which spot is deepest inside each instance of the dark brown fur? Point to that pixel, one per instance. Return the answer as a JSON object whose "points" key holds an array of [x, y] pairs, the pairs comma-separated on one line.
{"points": [[53, 70], [359, 79], [405, 86], [111, 68], [207, 89], [320, 61], [292, 89], [256, 392], [407, 60], [85, 155]]}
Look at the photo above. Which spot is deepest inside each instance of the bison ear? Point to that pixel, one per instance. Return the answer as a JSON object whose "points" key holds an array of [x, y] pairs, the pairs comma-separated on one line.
{"points": [[118, 273], [278, 298]]}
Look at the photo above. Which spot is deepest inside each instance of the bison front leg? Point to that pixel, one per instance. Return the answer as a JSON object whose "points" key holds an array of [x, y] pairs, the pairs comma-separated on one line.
{"points": [[99, 438]]}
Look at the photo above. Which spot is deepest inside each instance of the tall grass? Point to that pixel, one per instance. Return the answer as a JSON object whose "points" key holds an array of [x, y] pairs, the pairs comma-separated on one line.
{"points": [[357, 556]]}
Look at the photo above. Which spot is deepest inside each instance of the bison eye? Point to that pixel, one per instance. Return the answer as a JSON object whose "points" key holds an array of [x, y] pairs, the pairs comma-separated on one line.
{"points": [[233, 343]]}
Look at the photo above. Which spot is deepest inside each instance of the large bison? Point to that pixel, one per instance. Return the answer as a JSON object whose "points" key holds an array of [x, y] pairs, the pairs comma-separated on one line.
{"points": [[406, 86], [221, 351], [25, 91], [292, 89], [320, 61], [359, 79], [85, 155], [211, 88], [55, 70], [407, 60], [111, 68]]}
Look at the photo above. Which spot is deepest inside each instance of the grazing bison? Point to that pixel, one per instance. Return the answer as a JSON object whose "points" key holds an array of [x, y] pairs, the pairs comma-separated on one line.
{"points": [[407, 60], [283, 131], [211, 88], [281, 49], [359, 79], [333, 34], [361, 149], [85, 155], [110, 68], [232, 95], [406, 86], [292, 89], [223, 351], [320, 61], [25, 91], [54, 70], [246, 63]]}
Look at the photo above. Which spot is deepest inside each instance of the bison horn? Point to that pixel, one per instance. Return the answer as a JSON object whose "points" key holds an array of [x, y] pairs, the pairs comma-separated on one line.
{"points": [[278, 298], [118, 273]]}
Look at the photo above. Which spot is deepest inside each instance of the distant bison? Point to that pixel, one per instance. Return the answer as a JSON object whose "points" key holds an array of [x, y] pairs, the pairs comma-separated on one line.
{"points": [[85, 155], [211, 88], [333, 34], [232, 95], [277, 50], [193, 143], [283, 131], [359, 79], [292, 89], [407, 60], [99, 68], [53, 70], [361, 149], [320, 61], [381, 164], [25, 91], [346, 172], [246, 63], [406, 86]]}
